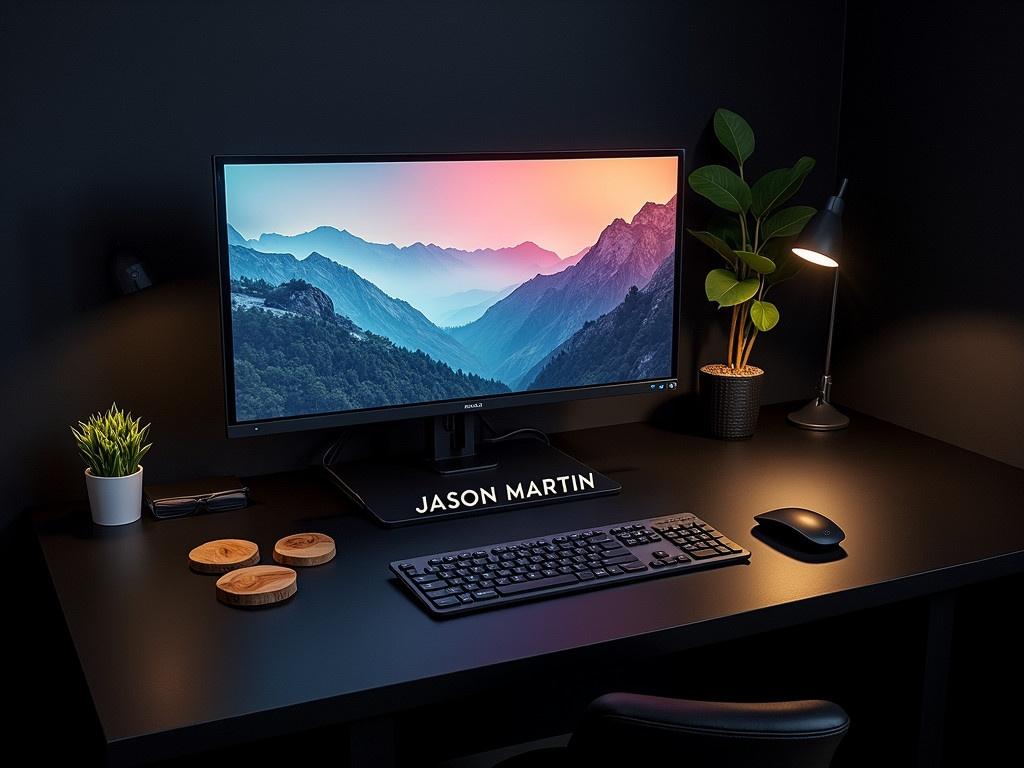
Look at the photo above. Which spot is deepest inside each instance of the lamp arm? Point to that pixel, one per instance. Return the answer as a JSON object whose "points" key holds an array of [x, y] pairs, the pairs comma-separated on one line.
{"points": [[831, 325], [826, 379]]}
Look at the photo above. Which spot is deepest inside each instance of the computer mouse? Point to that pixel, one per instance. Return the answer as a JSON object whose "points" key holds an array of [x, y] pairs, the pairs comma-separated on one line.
{"points": [[805, 525]]}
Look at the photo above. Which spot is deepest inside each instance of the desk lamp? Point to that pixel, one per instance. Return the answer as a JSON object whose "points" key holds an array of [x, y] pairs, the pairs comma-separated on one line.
{"points": [[820, 243]]}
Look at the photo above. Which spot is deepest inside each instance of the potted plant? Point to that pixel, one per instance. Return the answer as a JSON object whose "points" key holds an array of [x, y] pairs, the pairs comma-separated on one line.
{"points": [[112, 445], [752, 234]]}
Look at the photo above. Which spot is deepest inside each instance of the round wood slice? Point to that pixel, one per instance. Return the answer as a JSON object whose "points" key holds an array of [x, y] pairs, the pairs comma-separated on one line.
{"points": [[223, 555], [256, 585], [304, 549]]}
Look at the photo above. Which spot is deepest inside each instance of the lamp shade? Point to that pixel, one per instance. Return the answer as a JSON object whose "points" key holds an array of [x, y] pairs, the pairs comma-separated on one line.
{"points": [[822, 239]]}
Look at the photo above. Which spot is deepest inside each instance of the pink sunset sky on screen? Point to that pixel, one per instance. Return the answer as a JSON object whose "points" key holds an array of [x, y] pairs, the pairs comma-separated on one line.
{"points": [[561, 205]]}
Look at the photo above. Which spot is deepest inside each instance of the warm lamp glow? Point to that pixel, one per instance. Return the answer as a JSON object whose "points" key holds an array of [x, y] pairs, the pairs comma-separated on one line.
{"points": [[816, 258]]}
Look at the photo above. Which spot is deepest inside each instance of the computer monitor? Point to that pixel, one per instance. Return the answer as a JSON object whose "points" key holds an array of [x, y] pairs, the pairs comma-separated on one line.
{"points": [[373, 288]]}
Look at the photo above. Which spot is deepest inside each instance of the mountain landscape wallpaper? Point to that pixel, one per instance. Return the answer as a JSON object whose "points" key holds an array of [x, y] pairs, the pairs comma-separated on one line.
{"points": [[364, 285]]}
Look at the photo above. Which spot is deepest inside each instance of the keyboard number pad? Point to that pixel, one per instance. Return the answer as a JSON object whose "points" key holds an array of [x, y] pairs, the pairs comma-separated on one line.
{"points": [[696, 538]]}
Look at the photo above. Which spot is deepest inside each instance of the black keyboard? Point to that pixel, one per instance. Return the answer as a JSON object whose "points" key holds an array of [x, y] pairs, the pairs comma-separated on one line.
{"points": [[490, 576]]}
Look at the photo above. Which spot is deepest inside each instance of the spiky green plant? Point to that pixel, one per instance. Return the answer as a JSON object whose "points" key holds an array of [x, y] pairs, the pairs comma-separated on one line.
{"points": [[112, 444]]}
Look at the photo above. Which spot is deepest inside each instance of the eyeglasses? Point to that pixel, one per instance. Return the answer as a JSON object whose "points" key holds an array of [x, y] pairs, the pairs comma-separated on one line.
{"points": [[183, 506]]}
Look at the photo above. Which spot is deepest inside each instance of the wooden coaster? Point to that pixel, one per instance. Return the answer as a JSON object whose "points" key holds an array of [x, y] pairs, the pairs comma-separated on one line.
{"points": [[305, 549], [256, 585], [223, 555]]}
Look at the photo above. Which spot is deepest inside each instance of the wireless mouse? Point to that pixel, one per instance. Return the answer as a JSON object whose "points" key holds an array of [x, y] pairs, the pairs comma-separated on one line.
{"points": [[803, 526]]}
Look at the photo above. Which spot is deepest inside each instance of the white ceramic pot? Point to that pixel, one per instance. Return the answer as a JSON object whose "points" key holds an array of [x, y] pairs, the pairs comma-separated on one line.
{"points": [[114, 500]]}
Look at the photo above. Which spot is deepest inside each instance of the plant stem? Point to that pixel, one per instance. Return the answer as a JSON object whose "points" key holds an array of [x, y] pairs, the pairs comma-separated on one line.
{"points": [[732, 335], [750, 346], [739, 346]]}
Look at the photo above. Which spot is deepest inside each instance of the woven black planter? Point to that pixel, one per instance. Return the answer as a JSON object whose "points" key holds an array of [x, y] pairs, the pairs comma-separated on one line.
{"points": [[730, 404]]}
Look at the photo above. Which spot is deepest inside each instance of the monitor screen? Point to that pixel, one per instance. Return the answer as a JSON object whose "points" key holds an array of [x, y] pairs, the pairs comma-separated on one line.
{"points": [[357, 286]]}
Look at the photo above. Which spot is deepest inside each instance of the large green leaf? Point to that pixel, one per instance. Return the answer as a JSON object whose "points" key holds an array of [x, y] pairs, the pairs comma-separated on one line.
{"points": [[787, 222], [727, 289], [735, 134], [718, 245], [757, 262], [764, 315], [722, 187], [725, 226], [776, 187], [787, 263]]}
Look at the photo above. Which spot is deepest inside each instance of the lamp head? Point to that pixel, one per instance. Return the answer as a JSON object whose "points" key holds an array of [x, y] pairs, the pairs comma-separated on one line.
{"points": [[821, 240]]}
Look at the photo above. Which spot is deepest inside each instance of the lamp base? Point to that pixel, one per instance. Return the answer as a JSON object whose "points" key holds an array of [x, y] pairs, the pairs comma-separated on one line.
{"points": [[819, 415]]}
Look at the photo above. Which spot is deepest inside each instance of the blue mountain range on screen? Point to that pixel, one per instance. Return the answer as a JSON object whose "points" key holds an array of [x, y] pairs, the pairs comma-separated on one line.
{"points": [[313, 333]]}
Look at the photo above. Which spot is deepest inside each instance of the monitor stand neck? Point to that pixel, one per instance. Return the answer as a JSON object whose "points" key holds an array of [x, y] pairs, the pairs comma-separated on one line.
{"points": [[455, 444]]}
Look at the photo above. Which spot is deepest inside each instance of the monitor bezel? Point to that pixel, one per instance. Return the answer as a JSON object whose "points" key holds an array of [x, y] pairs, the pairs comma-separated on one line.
{"points": [[482, 404]]}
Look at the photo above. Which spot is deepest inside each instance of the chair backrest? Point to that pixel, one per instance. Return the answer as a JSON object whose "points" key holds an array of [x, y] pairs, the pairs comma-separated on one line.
{"points": [[655, 730]]}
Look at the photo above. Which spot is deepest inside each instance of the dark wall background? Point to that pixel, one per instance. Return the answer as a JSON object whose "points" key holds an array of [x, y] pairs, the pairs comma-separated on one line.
{"points": [[931, 329], [112, 110]]}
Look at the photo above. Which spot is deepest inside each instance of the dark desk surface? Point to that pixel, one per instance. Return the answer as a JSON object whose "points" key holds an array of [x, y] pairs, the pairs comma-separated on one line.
{"points": [[170, 669]]}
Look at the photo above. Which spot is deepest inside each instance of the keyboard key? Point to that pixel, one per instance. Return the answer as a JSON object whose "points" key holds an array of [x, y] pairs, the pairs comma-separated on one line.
{"points": [[438, 584], [444, 602], [465, 599], [616, 552], [614, 570], [586, 575], [529, 586], [633, 567], [600, 573], [423, 578], [703, 554], [657, 564], [485, 594], [619, 560]]}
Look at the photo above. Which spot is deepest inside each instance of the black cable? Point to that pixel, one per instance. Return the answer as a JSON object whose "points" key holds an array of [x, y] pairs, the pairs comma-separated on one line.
{"points": [[332, 451], [515, 433]]}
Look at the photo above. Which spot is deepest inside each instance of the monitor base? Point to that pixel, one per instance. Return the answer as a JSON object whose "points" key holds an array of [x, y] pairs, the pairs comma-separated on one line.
{"points": [[506, 475]]}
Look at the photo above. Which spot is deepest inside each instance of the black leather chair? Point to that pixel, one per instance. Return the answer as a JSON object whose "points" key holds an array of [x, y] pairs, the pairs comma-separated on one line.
{"points": [[622, 729]]}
